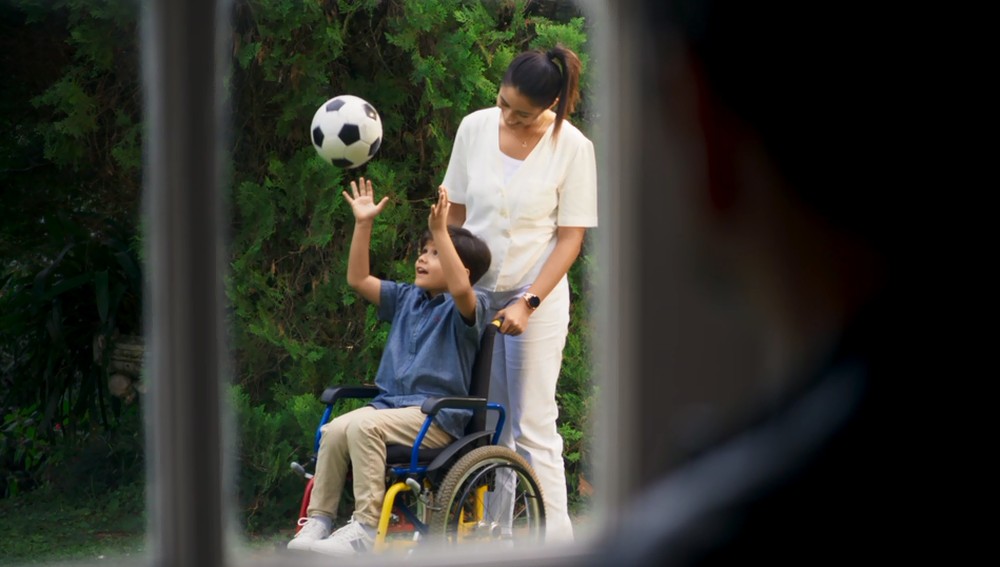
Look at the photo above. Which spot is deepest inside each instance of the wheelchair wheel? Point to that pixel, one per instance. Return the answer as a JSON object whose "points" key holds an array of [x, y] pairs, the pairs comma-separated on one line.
{"points": [[490, 495]]}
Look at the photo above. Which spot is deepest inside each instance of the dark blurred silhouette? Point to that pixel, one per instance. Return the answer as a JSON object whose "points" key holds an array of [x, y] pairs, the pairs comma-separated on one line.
{"points": [[785, 131]]}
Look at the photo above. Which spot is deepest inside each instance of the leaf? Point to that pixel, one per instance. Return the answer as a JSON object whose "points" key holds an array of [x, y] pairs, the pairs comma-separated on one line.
{"points": [[42, 277], [101, 290], [62, 286]]}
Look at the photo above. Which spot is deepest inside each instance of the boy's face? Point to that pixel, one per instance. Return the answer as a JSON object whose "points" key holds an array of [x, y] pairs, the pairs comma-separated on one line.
{"points": [[429, 275]]}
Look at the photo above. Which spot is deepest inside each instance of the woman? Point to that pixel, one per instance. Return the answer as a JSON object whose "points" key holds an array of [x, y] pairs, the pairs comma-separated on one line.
{"points": [[524, 179]]}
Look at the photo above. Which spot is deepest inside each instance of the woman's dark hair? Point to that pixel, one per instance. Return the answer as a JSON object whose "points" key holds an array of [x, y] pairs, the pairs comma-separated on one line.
{"points": [[473, 252], [542, 76]]}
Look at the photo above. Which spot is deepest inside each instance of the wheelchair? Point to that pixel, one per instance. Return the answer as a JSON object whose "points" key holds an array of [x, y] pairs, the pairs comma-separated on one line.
{"points": [[471, 491]]}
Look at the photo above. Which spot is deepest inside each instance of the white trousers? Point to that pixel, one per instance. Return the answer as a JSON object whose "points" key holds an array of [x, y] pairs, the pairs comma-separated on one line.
{"points": [[524, 376]]}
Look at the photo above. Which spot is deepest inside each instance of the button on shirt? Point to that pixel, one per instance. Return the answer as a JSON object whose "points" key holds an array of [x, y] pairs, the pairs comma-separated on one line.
{"points": [[429, 352], [555, 186]]}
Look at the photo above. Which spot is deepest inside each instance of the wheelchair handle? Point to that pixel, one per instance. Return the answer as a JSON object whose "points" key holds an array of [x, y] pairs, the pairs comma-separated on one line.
{"points": [[301, 471]]}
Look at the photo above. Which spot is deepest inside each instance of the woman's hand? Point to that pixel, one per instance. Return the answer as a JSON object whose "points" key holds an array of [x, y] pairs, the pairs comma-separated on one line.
{"points": [[515, 318], [362, 200]]}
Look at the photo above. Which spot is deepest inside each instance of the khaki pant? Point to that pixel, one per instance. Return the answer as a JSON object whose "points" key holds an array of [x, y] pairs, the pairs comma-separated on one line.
{"points": [[360, 437]]}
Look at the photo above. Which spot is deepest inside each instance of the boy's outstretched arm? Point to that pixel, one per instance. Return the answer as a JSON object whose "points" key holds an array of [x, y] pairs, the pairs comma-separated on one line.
{"points": [[455, 272], [359, 276]]}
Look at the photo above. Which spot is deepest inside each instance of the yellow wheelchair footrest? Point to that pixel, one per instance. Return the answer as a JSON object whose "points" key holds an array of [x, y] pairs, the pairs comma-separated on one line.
{"points": [[387, 506]]}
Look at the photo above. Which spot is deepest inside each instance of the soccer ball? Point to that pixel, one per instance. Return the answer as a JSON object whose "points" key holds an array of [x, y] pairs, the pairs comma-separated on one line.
{"points": [[346, 131]]}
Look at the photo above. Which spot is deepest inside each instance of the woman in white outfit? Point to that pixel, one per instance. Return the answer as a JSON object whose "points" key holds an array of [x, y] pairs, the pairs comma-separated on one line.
{"points": [[524, 179]]}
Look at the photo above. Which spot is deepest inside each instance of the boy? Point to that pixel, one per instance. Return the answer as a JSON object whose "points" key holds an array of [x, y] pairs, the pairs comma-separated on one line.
{"points": [[436, 325]]}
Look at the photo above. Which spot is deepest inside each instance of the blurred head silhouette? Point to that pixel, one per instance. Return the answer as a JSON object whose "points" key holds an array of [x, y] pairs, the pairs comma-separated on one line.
{"points": [[778, 132]]}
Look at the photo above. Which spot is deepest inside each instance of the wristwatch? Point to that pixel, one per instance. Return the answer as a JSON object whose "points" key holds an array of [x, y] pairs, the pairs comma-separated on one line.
{"points": [[532, 300]]}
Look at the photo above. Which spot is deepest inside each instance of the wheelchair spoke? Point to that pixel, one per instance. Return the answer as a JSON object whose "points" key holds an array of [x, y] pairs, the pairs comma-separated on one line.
{"points": [[490, 495]]}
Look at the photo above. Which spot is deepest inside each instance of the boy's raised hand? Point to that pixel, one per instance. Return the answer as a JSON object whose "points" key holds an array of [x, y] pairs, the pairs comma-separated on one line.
{"points": [[362, 200], [438, 219]]}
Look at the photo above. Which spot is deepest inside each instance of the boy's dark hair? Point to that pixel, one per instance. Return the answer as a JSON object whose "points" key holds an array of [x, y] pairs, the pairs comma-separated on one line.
{"points": [[473, 252]]}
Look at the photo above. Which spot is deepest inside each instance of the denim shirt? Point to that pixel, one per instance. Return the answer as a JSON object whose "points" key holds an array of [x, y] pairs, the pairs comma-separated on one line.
{"points": [[429, 352]]}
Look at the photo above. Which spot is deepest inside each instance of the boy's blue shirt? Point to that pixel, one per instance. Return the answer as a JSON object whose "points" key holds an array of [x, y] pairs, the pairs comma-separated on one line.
{"points": [[429, 352]]}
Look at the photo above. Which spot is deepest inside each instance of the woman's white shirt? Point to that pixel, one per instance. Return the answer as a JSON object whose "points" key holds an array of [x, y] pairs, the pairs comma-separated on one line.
{"points": [[510, 166], [556, 185]]}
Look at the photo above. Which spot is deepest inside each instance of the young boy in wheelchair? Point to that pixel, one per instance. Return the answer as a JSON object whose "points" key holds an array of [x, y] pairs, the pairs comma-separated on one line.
{"points": [[436, 325]]}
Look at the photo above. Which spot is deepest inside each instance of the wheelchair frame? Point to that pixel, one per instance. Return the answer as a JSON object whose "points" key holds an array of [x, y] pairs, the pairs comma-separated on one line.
{"points": [[466, 469]]}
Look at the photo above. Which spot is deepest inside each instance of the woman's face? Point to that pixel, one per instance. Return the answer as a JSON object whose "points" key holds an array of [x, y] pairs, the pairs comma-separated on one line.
{"points": [[519, 113]]}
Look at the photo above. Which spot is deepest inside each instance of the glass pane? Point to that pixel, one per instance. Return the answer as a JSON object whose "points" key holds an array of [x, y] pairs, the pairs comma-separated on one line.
{"points": [[297, 326], [73, 245], [71, 338]]}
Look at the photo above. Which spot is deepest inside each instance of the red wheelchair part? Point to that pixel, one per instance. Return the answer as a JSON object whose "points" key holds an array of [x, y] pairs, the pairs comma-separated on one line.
{"points": [[304, 509]]}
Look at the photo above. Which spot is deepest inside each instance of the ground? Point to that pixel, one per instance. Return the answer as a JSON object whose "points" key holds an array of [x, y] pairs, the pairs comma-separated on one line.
{"points": [[43, 527]]}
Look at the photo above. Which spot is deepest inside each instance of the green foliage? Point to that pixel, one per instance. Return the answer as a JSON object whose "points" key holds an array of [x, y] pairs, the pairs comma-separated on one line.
{"points": [[267, 442], [23, 449], [70, 105], [99, 460], [53, 311], [70, 276], [576, 391]]}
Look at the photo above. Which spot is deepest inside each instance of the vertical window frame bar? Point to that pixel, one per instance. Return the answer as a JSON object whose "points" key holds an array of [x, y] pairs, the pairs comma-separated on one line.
{"points": [[182, 73]]}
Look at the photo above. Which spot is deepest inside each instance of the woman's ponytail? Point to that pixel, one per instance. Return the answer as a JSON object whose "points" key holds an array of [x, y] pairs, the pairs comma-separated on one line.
{"points": [[569, 69]]}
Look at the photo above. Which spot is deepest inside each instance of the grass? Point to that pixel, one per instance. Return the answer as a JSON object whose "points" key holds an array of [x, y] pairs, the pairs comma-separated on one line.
{"points": [[44, 526], [48, 526]]}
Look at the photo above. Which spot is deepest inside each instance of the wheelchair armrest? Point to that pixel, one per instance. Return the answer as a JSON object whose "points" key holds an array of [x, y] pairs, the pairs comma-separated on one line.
{"points": [[432, 405], [331, 395]]}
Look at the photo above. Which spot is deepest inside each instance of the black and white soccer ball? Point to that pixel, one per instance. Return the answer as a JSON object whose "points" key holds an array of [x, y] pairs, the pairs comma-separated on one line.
{"points": [[346, 131]]}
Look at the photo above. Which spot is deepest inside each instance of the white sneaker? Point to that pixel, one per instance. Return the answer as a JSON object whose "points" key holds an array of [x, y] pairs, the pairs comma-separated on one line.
{"points": [[353, 538], [312, 530]]}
